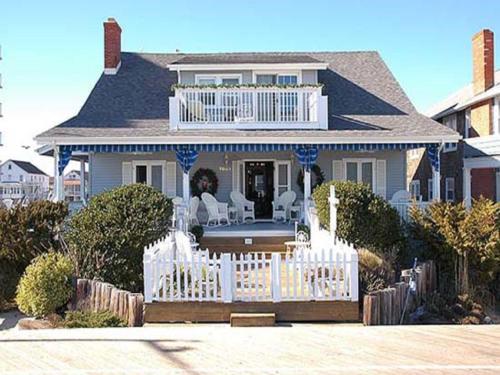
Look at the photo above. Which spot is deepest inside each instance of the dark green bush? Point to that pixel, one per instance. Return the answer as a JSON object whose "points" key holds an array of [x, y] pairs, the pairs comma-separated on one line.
{"points": [[363, 218], [106, 239], [45, 285], [90, 319], [198, 232], [26, 232]]}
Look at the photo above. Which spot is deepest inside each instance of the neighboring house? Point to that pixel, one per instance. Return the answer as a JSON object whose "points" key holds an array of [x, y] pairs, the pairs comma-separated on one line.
{"points": [[472, 168], [257, 120], [19, 179], [72, 186]]}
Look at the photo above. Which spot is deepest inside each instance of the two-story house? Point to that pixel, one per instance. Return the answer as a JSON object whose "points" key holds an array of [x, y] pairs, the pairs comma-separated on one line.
{"points": [[472, 168], [259, 124], [19, 179]]}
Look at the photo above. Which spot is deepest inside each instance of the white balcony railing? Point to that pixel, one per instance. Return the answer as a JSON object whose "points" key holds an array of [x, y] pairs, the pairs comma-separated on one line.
{"points": [[248, 108]]}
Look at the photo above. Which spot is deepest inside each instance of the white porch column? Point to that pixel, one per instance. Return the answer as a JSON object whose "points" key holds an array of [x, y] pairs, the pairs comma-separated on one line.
{"points": [[467, 187], [82, 181], [185, 187], [307, 193], [58, 179], [436, 185]]}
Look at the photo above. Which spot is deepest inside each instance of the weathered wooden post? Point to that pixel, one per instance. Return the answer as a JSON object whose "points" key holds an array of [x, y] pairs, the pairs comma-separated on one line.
{"points": [[333, 212]]}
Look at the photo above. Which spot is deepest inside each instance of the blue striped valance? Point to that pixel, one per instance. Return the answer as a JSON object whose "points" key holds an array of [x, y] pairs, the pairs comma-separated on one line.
{"points": [[67, 150], [186, 158], [307, 156]]}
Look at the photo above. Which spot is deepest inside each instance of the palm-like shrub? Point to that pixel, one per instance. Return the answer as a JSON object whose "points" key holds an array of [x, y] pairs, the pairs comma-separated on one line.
{"points": [[106, 239], [45, 285], [464, 243]]}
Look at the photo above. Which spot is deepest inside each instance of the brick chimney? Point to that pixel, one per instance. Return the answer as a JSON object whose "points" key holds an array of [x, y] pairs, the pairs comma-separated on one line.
{"points": [[483, 61], [112, 46]]}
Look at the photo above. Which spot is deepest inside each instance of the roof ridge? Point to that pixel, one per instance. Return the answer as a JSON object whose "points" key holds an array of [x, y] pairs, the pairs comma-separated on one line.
{"points": [[250, 52]]}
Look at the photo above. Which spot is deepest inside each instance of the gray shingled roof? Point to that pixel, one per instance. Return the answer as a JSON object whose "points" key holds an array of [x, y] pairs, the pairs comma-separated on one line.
{"points": [[28, 167], [247, 58], [364, 99]]}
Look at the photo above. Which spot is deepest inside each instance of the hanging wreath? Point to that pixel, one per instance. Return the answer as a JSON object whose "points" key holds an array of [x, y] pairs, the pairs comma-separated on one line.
{"points": [[317, 177], [204, 180]]}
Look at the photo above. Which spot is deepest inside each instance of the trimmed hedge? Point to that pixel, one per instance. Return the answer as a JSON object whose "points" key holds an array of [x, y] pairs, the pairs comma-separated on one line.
{"points": [[107, 238], [363, 218], [91, 319], [45, 285]]}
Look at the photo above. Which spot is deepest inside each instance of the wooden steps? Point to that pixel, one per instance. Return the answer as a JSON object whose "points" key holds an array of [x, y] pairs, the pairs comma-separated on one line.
{"points": [[241, 245], [252, 320]]}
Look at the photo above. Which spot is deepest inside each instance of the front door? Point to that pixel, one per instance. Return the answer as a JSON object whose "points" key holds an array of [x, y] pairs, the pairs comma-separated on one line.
{"points": [[259, 187]]}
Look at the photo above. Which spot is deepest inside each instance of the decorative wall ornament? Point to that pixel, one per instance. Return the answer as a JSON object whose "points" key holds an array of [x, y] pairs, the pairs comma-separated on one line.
{"points": [[204, 180]]}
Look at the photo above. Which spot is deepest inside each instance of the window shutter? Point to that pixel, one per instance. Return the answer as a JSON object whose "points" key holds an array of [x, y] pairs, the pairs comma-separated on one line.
{"points": [[171, 177], [234, 169], [127, 173], [381, 182], [338, 170]]}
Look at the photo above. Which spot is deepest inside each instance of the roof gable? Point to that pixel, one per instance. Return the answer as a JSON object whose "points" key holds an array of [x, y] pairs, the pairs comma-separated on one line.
{"points": [[363, 96]]}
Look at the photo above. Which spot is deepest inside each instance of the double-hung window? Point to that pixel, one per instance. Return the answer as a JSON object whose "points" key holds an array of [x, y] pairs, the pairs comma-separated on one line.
{"points": [[450, 122], [450, 189], [430, 189], [360, 171], [150, 173], [415, 189]]}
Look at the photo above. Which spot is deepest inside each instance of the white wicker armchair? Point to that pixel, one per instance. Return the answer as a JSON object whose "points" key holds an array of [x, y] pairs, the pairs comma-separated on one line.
{"points": [[218, 213]]}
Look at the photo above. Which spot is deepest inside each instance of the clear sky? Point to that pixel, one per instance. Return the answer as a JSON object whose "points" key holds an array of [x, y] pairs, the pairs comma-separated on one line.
{"points": [[53, 50]]}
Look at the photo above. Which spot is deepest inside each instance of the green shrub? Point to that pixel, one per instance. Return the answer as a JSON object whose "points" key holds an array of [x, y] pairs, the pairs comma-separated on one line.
{"points": [[45, 285], [363, 218], [107, 238], [26, 232], [198, 232], [464, 243], [90, 319]]}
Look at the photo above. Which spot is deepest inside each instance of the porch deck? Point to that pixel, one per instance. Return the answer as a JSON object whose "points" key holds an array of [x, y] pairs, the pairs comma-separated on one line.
{"points": [[258, 229]]}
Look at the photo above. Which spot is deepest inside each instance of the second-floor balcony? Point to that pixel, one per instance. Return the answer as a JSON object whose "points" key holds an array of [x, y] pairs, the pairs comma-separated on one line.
{"points": [[199, 107]]}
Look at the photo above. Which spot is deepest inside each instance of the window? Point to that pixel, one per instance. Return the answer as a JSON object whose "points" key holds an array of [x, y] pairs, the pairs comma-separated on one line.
{"points": [[430, 189], [450, 122], [496, 116], [21, 178], [415, 189], [450, 189], [359, 170], [9, 167], [150, 173], [287, 79], [218, 79], [467, 124]]}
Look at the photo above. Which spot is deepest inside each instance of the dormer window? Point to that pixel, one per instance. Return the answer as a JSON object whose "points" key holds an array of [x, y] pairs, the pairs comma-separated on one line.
{"points": [[218, 79], [276, 79]]}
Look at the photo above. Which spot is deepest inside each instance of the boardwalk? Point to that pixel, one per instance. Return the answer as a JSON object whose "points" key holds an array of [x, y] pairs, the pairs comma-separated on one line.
{"points": [[219, 349]]}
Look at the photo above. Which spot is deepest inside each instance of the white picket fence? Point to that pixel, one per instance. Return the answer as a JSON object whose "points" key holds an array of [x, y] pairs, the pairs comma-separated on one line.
{"points": [[326, 269], [303, 275]]}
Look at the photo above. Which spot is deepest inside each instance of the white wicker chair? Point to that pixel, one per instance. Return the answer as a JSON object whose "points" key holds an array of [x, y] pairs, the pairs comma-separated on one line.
{"points": [[281, 207], [246, 210], [217, 211], [193, 210]]}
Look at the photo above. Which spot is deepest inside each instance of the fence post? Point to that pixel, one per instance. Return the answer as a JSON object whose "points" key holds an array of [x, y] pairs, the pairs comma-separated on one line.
{"points": [[354, 274], [148, 274], [226, 278], [276, 276]]}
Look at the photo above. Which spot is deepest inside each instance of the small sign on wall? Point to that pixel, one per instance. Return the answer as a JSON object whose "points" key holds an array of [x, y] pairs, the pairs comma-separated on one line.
{"points": [[224, 169], [248, 241]]}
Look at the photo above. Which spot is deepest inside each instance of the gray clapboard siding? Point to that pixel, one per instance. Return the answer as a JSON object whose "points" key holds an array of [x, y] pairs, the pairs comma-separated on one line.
{"points": [[106, 169]]}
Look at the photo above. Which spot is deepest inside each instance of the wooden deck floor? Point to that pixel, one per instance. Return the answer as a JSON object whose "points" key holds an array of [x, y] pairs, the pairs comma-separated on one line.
{"points": [[219, 349]]}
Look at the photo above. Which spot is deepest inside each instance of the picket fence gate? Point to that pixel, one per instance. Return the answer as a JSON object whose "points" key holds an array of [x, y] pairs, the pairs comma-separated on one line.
{"points": [[171, 275], [325, 270]]}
